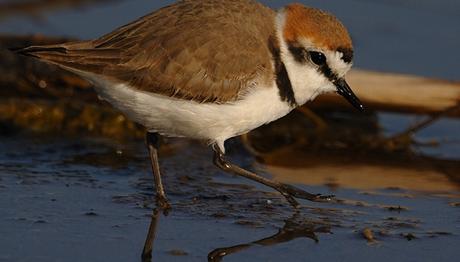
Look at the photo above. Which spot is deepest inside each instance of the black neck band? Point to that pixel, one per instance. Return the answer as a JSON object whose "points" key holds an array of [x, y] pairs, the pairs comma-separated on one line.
{"points": [[282, 78]]}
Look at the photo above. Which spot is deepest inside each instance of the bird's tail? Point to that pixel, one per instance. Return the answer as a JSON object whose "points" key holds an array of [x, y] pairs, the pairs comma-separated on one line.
{"points": [[54, 54], [73, 56], [41, 52]]}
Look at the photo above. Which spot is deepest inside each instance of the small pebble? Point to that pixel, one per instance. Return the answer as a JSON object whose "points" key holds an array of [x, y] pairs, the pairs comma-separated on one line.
{"points": [[368, 234], [409, 236], [42, 84]]}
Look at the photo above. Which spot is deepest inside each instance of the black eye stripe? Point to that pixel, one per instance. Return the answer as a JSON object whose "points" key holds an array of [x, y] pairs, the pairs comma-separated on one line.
{"points": [[327, 72], [299, 53], [347, 54]]}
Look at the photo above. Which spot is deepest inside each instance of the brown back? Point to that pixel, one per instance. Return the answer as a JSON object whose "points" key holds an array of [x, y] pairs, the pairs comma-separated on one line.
{"points": [[205, 50]]}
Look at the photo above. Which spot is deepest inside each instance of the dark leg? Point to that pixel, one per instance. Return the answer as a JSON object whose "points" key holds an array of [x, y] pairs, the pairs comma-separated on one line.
{"points": [[148, 245], [288, 191], [153, 144]]}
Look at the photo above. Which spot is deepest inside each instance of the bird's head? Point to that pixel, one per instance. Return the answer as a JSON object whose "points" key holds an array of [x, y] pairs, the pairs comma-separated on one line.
{"points": [[317, 52]]}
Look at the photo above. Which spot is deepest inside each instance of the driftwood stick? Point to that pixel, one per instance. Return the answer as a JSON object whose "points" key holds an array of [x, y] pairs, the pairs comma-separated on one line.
{"points": [[426, 122], [397, 93]]}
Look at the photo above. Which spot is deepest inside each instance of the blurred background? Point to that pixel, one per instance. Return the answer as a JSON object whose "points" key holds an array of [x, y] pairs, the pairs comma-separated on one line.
{"points": [[75, 182]]}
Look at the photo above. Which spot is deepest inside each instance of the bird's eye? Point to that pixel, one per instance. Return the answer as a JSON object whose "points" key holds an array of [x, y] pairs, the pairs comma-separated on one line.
{"points": [[317, 57]]}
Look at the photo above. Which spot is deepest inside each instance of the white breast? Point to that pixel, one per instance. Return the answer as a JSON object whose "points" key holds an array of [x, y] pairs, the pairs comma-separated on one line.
{"points": [[207, 121]]}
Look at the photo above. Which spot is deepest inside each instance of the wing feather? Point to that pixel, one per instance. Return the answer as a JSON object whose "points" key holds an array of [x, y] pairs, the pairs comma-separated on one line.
{"points": [[207, 50]]}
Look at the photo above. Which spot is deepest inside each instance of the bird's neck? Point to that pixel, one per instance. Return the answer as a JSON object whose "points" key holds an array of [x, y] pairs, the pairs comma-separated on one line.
{"points": [[296, 84]]}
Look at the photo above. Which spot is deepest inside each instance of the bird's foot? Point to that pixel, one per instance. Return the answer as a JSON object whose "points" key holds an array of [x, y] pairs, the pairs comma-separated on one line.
{"points": [[291, 192], [163, 204]]}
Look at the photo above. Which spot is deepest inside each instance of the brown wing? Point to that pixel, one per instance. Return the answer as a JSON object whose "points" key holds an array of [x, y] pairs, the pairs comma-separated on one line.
{"points": [[203, 50]]}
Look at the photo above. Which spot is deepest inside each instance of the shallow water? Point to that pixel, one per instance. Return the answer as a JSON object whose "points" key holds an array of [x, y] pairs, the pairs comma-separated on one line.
{"points": [[77, 199]]}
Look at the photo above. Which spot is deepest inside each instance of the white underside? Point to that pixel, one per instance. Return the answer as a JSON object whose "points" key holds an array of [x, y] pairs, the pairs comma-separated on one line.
{"points": [[213, 122], [206, 121]]}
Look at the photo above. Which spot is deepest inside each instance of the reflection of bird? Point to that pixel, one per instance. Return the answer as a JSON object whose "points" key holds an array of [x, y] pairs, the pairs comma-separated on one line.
{"points": [[212, 70], [294, 227]]}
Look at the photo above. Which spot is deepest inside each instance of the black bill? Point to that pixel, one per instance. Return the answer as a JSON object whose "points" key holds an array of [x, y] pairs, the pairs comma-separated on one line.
{"points": [[344, 90]]}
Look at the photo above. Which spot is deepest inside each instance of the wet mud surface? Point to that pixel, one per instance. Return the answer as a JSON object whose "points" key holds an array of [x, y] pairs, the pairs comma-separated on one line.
{"points": [[91, 199]]}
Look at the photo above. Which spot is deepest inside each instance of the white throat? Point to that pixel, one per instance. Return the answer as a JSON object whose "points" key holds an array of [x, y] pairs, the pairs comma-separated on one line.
{"points": [[306, 81]]}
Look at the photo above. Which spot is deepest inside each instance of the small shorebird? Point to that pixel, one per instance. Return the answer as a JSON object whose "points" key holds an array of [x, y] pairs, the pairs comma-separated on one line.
{"points": [[212, 70]]}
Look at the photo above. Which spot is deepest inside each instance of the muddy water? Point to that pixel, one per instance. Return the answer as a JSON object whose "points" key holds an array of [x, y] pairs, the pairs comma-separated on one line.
{"points": [[90, 200], [75, 199], [82, 199]]}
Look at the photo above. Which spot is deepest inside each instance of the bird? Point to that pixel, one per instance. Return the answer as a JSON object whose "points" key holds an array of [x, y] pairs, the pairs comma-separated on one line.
{"points": [[211, 70]]}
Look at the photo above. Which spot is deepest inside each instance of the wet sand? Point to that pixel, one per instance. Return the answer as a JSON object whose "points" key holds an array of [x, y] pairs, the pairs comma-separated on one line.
{"points": [[91, 199]]}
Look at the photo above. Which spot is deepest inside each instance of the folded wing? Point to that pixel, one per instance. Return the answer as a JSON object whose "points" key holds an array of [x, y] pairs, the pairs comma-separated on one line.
{"points": [[207, 51]]}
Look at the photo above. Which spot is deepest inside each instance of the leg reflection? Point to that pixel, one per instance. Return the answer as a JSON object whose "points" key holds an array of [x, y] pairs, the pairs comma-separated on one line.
{"points": [[148, 245], [294, 227]]}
